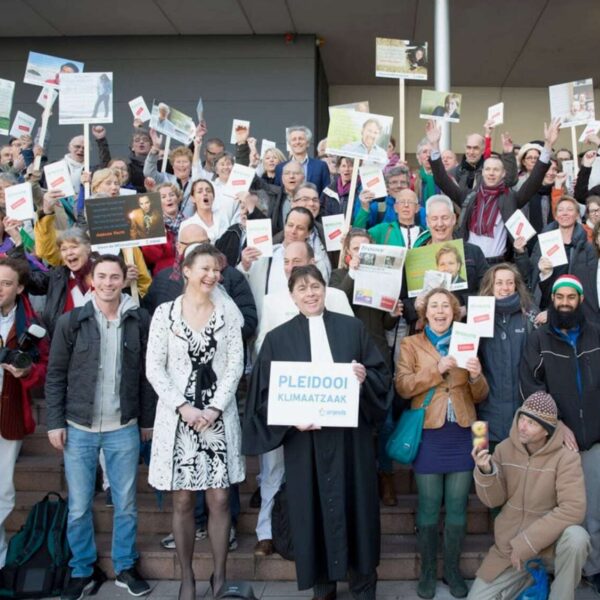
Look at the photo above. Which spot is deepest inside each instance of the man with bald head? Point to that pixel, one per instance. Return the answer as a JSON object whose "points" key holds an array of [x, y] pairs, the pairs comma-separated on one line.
{"points": [[168, 283], [468, 172], [402, 232], [278, 308]]}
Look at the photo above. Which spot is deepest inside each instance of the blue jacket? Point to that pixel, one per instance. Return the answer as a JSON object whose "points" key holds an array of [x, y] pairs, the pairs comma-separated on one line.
{"points": [[500, 359], [317, 172]]}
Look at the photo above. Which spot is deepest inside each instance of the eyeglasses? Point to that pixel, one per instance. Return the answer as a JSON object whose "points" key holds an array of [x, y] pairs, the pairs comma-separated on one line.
{"points": [[406, 202], [307, 199]]}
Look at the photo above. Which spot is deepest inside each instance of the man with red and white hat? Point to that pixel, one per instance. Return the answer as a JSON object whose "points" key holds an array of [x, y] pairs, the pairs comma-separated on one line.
{"points": [[563, 358], [538, 483]]}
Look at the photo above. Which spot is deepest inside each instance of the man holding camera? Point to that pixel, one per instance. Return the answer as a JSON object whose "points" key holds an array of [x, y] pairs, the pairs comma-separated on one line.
{"points": [[16, 381], [97, 396]]}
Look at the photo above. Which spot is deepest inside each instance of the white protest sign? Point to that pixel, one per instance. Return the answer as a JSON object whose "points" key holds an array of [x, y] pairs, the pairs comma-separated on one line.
{"points": [[259, 234], [572, 102], [239, 128], [496, 114], [302, 393], [480, 315], [45, 94], [519, 226], [22, 125], [463, 343], [19, 202], [7, 89], [378, 279], [139, 108], [85, 98], [239, 180], [372, 179], [568, 168], [590, 129], [333, 227], [266, 145], [433, 279], [58, 178], [552, 247]]}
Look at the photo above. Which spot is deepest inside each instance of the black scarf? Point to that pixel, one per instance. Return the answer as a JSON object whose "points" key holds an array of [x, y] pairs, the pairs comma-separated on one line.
{"points": [[470, 170], [540, 216]]}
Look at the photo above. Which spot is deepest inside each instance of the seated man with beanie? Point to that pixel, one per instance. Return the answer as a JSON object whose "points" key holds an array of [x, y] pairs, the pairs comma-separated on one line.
{"points": [[538, 482]]}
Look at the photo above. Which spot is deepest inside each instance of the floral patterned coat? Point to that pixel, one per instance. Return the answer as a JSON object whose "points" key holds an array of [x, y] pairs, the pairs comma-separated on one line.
{"points": [[168, 368]]}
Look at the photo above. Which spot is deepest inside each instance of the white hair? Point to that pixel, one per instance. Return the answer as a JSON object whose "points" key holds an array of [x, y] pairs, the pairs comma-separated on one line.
{"points": [[438, 199], [307, 132]]}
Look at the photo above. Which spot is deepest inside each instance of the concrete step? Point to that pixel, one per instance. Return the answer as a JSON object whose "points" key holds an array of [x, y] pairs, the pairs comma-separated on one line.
{"points": [[397, 520], [399, 559]]}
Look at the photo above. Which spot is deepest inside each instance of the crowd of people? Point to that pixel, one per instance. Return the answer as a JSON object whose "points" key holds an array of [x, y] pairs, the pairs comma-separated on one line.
{"points": [[187, 369]]}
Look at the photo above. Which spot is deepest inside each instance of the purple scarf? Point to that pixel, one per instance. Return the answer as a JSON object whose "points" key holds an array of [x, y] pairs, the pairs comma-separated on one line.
{"points": [[486, 210]]}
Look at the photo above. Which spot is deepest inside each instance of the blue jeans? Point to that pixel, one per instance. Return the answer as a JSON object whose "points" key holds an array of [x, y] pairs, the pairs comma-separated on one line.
{"points": [[121, 451], [200, 514]]}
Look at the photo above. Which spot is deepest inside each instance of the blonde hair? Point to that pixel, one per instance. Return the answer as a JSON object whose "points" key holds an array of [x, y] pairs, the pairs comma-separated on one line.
{"points": [[173, 187], [101, 175], [181, 151], [279, 155]]}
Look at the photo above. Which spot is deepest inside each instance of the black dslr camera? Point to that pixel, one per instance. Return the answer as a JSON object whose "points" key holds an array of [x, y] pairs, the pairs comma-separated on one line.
{"points": [[26, 351]]}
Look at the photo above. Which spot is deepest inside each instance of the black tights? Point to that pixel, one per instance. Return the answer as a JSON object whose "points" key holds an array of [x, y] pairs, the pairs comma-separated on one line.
{"points": [[184, 532]]}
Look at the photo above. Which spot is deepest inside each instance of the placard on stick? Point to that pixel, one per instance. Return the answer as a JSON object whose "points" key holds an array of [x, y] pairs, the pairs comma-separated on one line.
{"points": [[85, 98], [359, 135], [400, 59], [125, 221], [7, 89], [46, 70]]}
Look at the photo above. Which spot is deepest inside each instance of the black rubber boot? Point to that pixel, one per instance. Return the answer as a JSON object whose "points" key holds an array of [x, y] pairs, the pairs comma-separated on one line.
{"points": [[453, 538], [427, 538]]}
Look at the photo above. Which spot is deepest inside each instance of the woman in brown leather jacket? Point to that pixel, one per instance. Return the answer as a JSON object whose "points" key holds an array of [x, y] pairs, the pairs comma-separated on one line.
{"points": [[443, 466]]}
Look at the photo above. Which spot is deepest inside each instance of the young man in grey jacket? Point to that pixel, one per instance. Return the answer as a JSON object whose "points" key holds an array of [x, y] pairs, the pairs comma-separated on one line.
{"points": [[97, 396]]}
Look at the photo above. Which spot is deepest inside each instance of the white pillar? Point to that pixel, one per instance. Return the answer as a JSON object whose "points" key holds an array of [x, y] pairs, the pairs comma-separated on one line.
{"points": [[442, 60]]}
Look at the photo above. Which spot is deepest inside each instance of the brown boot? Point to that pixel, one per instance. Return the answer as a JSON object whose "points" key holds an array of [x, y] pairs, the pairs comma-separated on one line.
{"points": [[387, 493]]}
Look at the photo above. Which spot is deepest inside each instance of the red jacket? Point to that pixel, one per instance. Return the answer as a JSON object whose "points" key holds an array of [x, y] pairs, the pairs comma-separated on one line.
{"points": [[160, 256], [16, 416]]}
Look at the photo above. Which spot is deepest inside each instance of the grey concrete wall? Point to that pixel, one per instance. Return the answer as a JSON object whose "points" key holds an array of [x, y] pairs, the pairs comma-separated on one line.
{"points": [[258, 78]]}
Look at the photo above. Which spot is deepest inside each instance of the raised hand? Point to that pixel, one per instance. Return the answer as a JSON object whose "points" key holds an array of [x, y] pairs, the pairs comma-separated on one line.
{"points": [[433, 133]]}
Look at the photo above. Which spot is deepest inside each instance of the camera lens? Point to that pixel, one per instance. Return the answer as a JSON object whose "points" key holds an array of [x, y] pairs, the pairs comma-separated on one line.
{"points": [[22, 360]]}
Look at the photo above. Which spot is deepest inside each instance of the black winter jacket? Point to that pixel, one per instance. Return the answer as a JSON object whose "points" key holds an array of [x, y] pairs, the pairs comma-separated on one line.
{"points": [[551, 364], [164, 289], [74, 363]]}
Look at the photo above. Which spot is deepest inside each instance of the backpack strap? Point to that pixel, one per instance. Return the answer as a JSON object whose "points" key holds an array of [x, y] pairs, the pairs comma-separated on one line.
{"points": [[36, 525], [57, 546], [74, 327]]}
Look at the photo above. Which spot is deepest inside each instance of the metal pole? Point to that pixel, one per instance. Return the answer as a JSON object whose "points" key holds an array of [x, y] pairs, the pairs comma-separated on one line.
{"points": [[442, 61]]}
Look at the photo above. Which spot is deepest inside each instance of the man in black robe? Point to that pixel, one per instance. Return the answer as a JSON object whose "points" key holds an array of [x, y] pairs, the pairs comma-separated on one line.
{"points": [[331, 474]]}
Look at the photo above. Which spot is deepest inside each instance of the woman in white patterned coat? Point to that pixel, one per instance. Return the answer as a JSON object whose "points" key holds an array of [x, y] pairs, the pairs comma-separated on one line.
{"points": [[194, 362]]}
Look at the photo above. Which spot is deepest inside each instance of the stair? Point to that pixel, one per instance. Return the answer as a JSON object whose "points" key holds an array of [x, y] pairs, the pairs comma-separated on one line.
{"points": [[40, 469]]}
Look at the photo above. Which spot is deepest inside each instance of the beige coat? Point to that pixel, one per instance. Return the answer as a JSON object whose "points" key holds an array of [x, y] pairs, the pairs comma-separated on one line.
{"points": [[417, 372], [541, 495]]}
